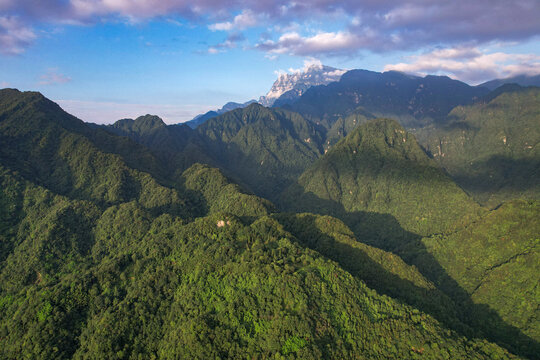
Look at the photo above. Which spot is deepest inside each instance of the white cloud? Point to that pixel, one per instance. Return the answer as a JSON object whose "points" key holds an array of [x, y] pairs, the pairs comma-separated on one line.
{"points": [[15, 36], [336, 73], [241, 21], [329, 43], [470, 64], [378, 26], [4, 84], [109, 112], [131, 9], [309, 63], [53, 77]]}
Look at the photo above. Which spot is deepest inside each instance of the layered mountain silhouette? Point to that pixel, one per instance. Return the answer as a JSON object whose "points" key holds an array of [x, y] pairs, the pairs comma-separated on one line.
{"points": [[199, 119], [413, 101], [266, 232], [522, 80]]}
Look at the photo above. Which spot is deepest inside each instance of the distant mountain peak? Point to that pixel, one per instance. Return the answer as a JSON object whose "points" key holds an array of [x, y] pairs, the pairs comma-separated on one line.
{"points": [[201, 118], [294, 83], [522, 80], [150, 121]]}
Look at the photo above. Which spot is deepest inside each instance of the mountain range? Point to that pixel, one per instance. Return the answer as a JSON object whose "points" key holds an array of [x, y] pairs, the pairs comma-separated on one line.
{"points": [[379, 216], [199, 119], [287, 88], [522, 80]]}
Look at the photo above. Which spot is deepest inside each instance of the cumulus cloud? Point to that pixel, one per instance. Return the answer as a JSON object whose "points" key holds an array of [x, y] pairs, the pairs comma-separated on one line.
{"points": [[383, 25], [310, 63], [470, 64], [240, 22], [15, 36], [53, 77], [329, 43]]}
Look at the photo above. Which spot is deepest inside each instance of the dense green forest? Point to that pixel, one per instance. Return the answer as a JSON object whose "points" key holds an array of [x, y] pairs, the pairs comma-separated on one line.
{"points": [[266, 233], [491, 148], [379, 168], [414, 101]]}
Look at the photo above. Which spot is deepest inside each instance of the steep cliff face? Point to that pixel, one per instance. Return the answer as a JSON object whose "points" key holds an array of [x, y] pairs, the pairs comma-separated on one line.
{"points": [[291, 86]]}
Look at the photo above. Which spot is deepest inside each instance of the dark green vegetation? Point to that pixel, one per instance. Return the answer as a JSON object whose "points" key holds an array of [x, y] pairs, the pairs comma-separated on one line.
{"points": [[497, 255], [199, 119], [263, 149], [380, 168], [412, 100], [266, 148], [492, 149], [344, 125], [176, 146], [115, 242], [381, 183]]}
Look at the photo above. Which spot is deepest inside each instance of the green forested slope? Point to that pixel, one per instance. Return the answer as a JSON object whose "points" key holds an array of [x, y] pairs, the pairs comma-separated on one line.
{"points": [[107, 251], [345, 125], [381, 183], [123, 283], [52, 148], [492, 148], [218, 194], [414, 101], [383, 271], [495, 261], [177, 146], [101, 260], [266, 148], [217, 287]]}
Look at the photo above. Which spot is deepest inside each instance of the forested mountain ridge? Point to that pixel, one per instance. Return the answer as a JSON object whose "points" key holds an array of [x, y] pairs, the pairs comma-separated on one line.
{"points": [[413, 101], [492, 148], [175, 260], [380, 168], [58, 151], [199, 119], [266, 148], [492, 262], [381, 183], [178, 146], [522, 80]]}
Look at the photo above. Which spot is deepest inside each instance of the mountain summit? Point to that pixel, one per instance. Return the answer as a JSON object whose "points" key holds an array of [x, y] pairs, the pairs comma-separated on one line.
{"points": [[289, 87]]}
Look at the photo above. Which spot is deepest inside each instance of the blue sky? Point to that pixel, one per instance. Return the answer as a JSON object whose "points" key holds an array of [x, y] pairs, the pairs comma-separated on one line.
{"points": [[108, 59]]}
